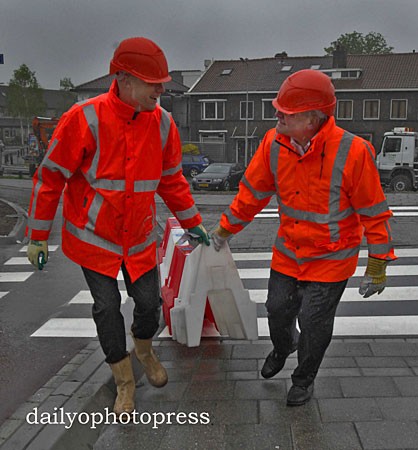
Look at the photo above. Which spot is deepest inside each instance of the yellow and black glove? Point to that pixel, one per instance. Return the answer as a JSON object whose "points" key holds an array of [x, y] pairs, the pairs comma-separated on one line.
{"points": [[38, 253], [374, 279], [219, 237]]}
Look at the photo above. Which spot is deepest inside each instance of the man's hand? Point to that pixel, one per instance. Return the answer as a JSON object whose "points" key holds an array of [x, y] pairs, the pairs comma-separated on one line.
{"points": [[38, 253], [374, 279], [219, 237], [201, 233]]}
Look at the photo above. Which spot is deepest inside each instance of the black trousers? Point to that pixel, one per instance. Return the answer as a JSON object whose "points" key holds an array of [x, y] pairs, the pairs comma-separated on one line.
{"points": [[314, 304], [106, 309]]}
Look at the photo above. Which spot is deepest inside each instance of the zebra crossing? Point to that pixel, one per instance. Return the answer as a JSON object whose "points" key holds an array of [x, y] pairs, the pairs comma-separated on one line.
{"points": [[392, 313]]}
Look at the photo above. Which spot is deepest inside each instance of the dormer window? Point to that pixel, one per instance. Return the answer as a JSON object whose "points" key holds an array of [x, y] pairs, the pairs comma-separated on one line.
{"points": [[226, 71]]}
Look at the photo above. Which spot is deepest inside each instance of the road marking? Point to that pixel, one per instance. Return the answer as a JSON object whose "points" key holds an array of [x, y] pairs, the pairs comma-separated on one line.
{"points": [[67, 328], [2, 294], [84, 297], [51, 248], [390, 294], [261, 273], [363, 326], [13, 277], [17, 261]]}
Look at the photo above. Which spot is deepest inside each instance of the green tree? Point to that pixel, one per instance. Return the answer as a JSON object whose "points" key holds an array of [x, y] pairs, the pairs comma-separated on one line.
{"points": [[24, 97], [68, 98], [358, 44], [66, 84]]}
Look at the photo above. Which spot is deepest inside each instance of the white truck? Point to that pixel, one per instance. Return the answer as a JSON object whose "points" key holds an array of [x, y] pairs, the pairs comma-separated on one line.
{"points": [[398, 160]]}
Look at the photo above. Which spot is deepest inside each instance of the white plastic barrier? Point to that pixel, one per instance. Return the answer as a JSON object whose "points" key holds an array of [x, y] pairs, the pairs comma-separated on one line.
{"points": [[212, 275]]}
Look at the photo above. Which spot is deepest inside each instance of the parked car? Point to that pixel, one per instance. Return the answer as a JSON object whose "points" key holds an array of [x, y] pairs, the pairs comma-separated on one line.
{"points": [[219, 176], [194, 164]]}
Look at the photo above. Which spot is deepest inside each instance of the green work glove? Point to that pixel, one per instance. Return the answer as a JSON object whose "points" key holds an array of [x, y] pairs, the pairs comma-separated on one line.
{"points": [[374, 279], [38, 253], [200, 233], [219, 237]]}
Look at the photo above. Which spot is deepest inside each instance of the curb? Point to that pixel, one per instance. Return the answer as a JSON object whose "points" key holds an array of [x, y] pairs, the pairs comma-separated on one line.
{"points": [[82, 388], [18, 232]]}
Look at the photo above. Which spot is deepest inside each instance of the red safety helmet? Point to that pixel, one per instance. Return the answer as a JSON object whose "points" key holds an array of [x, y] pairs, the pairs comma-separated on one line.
{"points": [[141, 58], [306, 90]]}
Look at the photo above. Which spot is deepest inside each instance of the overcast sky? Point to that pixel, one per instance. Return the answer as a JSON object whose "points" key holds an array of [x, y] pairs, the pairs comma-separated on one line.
{"points": [[76, 38]]}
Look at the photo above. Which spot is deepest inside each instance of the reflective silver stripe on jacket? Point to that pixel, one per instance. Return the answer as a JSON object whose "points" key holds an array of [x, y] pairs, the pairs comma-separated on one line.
{"points": [[374, 210], [39, 224], [187, 213], [172, 170], [338, 255], [93, 123], [234, 220], [165, 124], [259, 195], [274, 160], [379, 249], [152, 237], [146, 185], [87, 235]]}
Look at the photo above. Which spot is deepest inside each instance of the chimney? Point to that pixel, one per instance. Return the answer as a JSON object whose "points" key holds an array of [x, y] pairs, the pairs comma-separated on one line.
{"points": [[339, 57], [207, 63]]}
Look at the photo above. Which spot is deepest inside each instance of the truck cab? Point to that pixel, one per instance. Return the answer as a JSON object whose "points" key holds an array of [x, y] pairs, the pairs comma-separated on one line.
{"points": [[398, 160]]}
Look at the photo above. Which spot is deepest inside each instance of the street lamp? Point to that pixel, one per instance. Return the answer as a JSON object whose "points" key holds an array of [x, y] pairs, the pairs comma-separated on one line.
{"points": [[245, 60]]}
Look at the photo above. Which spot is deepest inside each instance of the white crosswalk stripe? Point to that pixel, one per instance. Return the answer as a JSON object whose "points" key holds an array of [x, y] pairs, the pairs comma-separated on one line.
{"points": [[398, 300]]}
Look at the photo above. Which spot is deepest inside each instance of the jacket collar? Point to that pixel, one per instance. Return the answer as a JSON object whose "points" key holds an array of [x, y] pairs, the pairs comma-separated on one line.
{"points": [[319, 137], [122, 109]]}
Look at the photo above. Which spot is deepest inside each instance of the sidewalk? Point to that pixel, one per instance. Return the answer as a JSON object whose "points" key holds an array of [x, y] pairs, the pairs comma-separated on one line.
{"points": [[366, 396]]}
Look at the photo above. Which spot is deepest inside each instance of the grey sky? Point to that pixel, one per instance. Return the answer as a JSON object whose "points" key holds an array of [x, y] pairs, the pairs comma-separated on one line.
{"points": [[76, 38]]}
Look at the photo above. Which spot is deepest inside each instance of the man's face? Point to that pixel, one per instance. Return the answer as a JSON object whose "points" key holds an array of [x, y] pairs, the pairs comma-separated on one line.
{"points": [[296, 126], [144, 95]]}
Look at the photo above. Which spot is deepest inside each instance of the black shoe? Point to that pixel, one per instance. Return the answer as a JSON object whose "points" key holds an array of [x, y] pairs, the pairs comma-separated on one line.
{"points": [[299, 395], [273, 364]]}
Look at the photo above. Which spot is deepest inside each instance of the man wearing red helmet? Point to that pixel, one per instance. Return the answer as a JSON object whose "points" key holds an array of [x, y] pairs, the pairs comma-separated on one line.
{"points": [[112, 154], [329, 195]]}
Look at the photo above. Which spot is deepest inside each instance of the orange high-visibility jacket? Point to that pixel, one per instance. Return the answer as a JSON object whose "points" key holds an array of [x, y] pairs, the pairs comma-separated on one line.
{"points": [[327, 199], [111, 162]]}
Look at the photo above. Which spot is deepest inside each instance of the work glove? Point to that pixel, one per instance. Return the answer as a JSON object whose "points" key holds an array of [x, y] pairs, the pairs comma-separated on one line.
{"points": [[374, 279], [219, 237], [38, 253], [200, 234]]}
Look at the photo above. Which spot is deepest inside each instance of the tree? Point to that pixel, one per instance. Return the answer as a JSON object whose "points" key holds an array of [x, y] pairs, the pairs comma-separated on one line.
{"points": [[68, 98], [66, 84], [358, 44], [24, 97]]}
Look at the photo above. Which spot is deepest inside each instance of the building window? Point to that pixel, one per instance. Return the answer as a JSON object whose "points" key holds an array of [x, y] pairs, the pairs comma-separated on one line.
{"points": [[398, 109], [345, 109], [371, 109], [269, 111], [250, 110], [213, 110]]}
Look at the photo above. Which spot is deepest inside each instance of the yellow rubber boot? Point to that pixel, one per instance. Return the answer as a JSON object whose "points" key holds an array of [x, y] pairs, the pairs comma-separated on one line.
{"points": [[125, 386], [155, 372]]}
